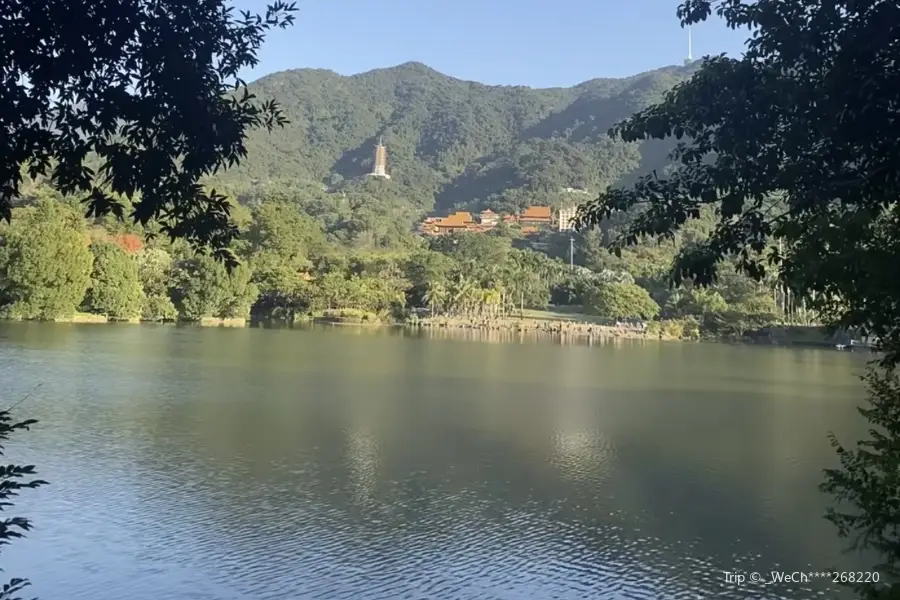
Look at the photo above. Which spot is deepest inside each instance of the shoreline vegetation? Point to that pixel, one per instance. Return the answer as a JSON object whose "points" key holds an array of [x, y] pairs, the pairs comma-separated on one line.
{"points": [[58, 265], [533, 323]]}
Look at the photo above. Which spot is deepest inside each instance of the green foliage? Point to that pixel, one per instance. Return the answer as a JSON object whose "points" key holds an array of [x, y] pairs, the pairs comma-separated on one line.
{"points": [[202, 287], [281, 230], [115, 283], [814, 177], [702, 301], [151, 143], [11, 483], [158, 308], [450, 142], [792, 147], [675, 329], [46, 263], [154, 271], [869, 479], [620, 301]]}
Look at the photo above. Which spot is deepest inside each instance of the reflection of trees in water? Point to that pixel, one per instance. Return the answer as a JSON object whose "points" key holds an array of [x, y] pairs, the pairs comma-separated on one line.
{"points": [[497, 336], [386, 449], [437, 481]]}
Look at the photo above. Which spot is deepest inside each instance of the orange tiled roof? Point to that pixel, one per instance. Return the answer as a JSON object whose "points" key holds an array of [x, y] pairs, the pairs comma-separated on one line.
{"points": [[509, 218], [452, 223], [457, 219], [537, 212], [529, 230]]}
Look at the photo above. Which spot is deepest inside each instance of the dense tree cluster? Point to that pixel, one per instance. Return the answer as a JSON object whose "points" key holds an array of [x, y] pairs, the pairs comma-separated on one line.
{"points": [[303, 252]]}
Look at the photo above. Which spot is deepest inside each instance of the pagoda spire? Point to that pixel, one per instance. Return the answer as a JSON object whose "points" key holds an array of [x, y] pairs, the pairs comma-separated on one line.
{"points": [[380, 169]]}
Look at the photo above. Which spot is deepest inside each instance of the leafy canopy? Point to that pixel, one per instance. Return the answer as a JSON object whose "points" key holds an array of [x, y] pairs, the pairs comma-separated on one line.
{"points": [[795, 148], [13, 479], [115, 283], [45, 263], [617, 300], [132, 98], [796, 142]]}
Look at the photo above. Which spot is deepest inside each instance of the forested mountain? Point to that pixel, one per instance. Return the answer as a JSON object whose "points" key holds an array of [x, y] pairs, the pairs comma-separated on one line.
{"points": [[450, 142], [317, 234]]}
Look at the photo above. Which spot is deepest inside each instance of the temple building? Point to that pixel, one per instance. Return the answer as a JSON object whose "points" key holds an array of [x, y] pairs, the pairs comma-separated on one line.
{"points": [[380, 169], [489, 218], [536, 215], [566, 218]]}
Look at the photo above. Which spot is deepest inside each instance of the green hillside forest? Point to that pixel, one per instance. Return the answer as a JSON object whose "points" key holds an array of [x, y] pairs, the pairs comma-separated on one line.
{"points": [[320, 235]]}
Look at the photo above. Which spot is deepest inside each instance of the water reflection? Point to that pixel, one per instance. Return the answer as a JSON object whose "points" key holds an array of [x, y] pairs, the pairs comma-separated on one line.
{"points": [[289, 464]]}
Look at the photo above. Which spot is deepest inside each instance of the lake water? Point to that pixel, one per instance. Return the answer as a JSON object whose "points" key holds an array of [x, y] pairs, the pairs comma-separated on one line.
{"points": [[230, 464]]}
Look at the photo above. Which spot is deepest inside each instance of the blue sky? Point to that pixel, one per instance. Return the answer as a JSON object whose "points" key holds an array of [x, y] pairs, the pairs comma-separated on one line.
{"points": [[540, 43]]}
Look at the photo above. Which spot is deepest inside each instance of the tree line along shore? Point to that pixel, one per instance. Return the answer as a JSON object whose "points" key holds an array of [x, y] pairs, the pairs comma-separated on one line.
{"points": [[58, 265]]}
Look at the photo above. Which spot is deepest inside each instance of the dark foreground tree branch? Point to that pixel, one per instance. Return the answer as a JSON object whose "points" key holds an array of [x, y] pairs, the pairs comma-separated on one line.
{"points": [[133, 99], [13, 478], [138, 99], [807, 119]]}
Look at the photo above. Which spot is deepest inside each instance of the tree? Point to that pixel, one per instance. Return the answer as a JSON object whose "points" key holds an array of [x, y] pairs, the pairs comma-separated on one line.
{"points": [[154, 270], [148, 93], [46, 263], [202, 287], [278, 283], [794, 143], [799, 148], [435, 296], [129, 242], [702, 301], [424, 270], [115, 283], [868, 478], [620, 301], [11, 483], [281, 229]]}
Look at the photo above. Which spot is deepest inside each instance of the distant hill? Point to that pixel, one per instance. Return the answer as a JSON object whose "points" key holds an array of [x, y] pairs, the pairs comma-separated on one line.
{"points": [[452, 143]]}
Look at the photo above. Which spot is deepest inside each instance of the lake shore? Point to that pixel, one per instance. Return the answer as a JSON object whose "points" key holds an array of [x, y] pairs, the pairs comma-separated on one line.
{"points": [[533, 325], [574, 326]]}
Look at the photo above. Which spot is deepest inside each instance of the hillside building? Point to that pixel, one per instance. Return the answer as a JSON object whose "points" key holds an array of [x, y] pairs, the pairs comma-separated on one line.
{"points": [[536, 215], [380, 169], [458, 221], [565, 218], [489, 218], [532, 220]]}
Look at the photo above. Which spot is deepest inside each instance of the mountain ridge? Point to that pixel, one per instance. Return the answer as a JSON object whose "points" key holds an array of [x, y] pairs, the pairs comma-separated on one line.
{"points": [[451, 143], [415, 65]]}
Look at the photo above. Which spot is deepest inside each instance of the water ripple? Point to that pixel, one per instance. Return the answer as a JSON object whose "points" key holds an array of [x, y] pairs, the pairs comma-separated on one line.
{"points": [[212, 481]]}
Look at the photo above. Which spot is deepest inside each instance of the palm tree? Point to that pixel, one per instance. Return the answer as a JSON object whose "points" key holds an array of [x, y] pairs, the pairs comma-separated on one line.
{"points": [[460, 293], [435, 295], [491, 299]]}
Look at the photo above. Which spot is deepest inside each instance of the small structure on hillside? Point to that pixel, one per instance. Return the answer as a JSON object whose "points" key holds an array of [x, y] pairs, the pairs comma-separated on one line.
{"points": [[536, 215], [565, 218], [458, 221], [489, 218], [380, 169]]}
